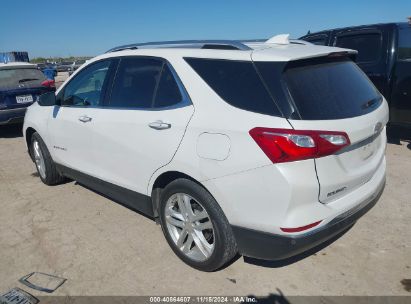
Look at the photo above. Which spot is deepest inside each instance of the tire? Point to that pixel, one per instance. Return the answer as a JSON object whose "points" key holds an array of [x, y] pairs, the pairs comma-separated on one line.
{"points": [[205, 248], [45, 166]]}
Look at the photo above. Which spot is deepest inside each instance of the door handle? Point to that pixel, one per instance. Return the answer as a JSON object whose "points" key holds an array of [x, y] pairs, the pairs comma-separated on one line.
{"points": [[84, 118], [159, 125]]}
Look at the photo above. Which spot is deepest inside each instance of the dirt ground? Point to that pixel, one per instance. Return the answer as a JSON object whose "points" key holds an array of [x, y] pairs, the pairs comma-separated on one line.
{"points": [[103, 248], [60, 78]]}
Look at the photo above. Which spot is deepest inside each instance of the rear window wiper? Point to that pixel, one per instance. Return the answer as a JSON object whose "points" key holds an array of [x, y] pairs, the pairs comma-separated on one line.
{"points": [[27, 79], [371, 102]]}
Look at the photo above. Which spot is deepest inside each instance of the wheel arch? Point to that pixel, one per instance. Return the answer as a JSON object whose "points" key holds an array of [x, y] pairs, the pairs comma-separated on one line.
{"points": [[162, 180], [28, 135]]}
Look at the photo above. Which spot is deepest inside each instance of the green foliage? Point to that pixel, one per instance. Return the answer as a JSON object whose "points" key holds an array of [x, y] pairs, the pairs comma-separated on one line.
{"points": [[58, 59], [38, 60]]}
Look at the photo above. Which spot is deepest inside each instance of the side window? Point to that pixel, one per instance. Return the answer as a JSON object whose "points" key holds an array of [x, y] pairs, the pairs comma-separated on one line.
{"points": [[317, 39], [237, 83], [168, 92], [404, 44], [135, 82], [86, 88], [368, 45]]}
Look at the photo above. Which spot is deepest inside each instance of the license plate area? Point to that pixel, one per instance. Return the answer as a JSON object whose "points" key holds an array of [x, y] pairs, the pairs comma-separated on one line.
{"points": [[370, 147], [360, 155], [349, 169], [24, 99]]}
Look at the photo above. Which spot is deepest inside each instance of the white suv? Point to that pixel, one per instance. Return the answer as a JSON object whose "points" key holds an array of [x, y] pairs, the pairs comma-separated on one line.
{"points": [[265, 149]]}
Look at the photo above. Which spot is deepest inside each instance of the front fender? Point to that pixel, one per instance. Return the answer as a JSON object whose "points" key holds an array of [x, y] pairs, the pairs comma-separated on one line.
{"points": [[37, 118]]}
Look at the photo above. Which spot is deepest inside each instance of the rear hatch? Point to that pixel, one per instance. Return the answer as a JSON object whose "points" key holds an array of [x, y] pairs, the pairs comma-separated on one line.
{"points": [[331, 94], [20, 86]]}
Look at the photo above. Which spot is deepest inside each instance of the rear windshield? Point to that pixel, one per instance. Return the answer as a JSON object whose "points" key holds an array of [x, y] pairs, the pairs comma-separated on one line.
{"points": [[23, 77], [237, 83], [330, 90]]}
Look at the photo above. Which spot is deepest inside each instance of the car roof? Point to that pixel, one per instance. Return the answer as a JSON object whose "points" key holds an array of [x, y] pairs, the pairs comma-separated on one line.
{"points": [[277, 48], [16, 65]]}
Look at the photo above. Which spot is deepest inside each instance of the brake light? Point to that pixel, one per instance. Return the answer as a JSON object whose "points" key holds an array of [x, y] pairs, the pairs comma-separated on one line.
{"points": [[49, 83], [299, 229], [287, 145]]}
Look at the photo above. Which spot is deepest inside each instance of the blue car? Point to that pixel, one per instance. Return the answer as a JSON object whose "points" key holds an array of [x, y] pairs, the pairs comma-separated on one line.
{"points": [[48, 69], [20, 85]]}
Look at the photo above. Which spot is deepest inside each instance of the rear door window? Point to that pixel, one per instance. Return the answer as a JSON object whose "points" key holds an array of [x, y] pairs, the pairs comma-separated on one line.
{"points": [[168, 93], [368, 44], [404, 43], [136, 82], [237, 83], [330, 90], [20, 77]]}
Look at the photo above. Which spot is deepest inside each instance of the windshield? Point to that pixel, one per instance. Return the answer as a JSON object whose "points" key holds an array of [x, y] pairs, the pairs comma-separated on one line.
{"points": [[27, 77]]}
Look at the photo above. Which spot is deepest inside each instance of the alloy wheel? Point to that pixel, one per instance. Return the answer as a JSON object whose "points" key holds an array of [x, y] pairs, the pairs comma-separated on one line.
{"points": [[190, 227], [39, 159]]}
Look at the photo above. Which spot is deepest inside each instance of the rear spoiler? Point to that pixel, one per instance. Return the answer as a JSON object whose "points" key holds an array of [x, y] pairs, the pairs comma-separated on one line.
{"points": [[330, 57]]}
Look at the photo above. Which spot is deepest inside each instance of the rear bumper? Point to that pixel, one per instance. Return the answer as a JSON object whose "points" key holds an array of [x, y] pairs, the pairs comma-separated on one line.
{"points": [[10, 116], [265, 246]]}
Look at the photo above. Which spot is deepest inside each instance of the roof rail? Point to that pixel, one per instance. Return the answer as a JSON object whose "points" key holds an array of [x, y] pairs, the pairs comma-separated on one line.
{"points": [[201, 44]]}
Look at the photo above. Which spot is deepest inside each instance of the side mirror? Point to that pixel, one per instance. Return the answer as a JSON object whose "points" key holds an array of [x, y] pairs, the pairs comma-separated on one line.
{"points": [[47, 99]]}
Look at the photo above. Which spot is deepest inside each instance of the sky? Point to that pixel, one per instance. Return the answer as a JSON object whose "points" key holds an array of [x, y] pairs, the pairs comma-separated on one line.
{"points": [[90, 27]]}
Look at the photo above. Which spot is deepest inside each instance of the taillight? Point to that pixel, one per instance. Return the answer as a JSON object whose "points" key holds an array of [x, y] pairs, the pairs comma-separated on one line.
{"points": [[49, 83], [287, 145]]}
